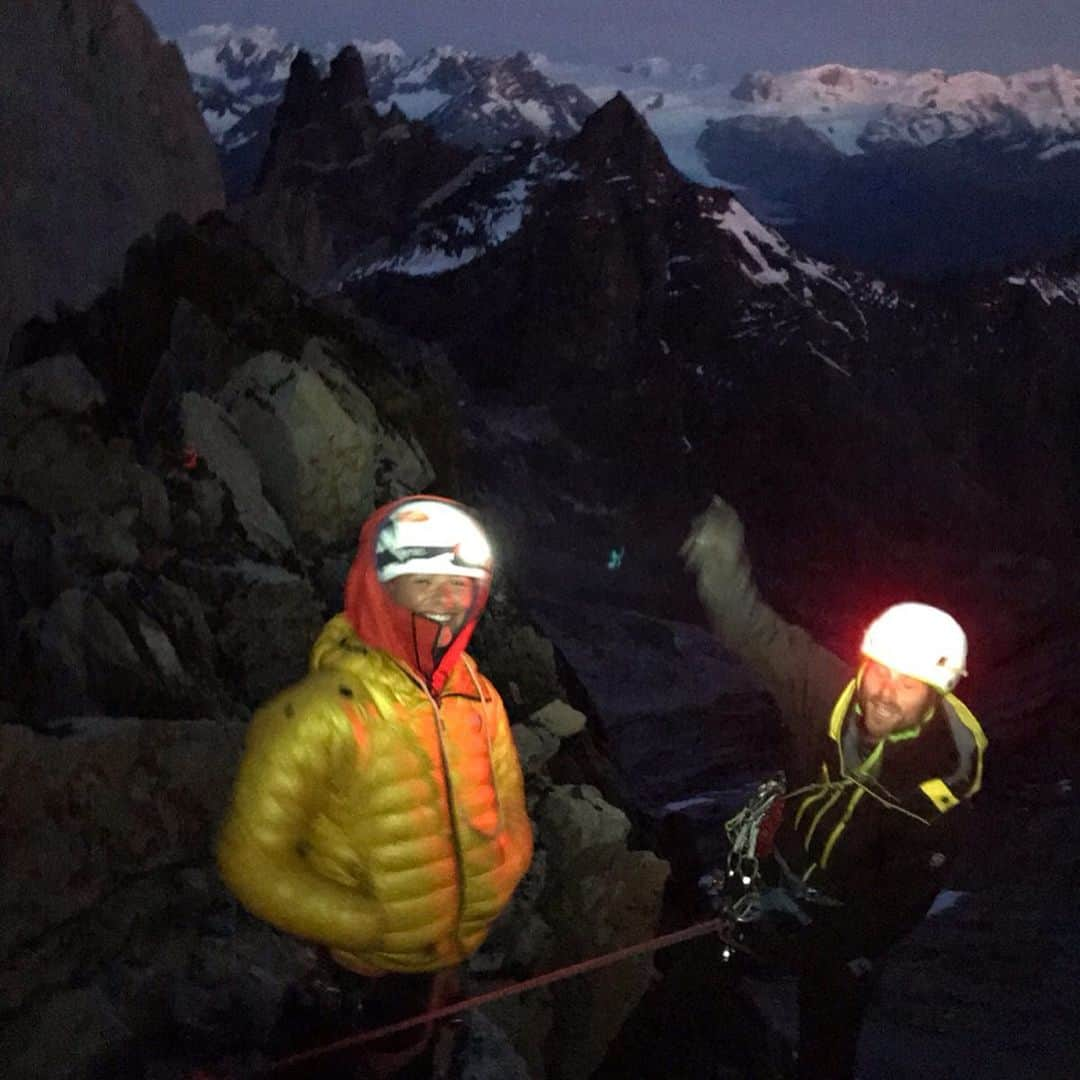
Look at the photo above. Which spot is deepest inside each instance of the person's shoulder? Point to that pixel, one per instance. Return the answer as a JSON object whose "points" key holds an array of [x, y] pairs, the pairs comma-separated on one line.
{"points": [[340, 651]]}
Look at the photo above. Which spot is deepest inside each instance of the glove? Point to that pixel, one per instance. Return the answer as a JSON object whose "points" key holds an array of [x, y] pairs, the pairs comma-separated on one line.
{"points": [[715, 540]]}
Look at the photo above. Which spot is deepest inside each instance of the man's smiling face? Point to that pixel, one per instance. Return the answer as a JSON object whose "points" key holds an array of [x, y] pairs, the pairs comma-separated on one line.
{"points": [[891, 701]]}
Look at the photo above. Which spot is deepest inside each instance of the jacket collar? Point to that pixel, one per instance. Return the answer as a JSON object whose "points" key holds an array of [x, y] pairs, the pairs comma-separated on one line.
{"points": [[339, 648], [943, 765]]}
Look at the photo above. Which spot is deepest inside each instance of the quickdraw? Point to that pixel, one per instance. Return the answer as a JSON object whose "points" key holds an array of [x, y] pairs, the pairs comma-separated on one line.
{"points": [[734, 888]]}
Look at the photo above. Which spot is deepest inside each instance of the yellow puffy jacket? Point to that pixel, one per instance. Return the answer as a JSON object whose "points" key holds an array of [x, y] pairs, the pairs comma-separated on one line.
{"points": [[373, 818]]}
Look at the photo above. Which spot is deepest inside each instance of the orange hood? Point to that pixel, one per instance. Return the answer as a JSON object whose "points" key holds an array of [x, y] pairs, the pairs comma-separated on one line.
{"points": [[379, 622]]}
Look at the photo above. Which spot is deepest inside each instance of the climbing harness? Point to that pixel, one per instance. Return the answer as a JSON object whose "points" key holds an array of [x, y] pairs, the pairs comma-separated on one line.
{"points": [[721, 926]]}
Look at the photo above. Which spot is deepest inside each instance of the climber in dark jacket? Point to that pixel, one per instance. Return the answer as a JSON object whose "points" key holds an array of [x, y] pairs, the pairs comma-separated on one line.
{"points": [[880, 757]]}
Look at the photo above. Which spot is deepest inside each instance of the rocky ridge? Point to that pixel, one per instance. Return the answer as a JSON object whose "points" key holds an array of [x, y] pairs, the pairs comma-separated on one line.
{"points": [[338, 176], [240, 76], [161, 579]]}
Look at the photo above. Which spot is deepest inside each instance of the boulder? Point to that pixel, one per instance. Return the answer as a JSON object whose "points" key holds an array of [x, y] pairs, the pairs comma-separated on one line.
{"points": [[213, 438], [55, 384], [61, 459], [560, 719], [604, 897], [401, 466], [265, 626], [536, 746], [316, 460]]}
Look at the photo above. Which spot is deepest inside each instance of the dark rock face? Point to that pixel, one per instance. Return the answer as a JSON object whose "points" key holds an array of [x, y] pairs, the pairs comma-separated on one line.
{"points": [[339, 177], [724, 356], [158, 333], [100, 138], [552, 312]]}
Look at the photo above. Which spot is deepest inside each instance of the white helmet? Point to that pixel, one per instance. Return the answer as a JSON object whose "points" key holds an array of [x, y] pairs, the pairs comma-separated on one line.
{"points": [[921, 641], [430, 536]]}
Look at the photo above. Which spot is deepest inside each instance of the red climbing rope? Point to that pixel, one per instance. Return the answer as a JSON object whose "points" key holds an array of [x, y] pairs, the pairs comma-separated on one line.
{"points": [[720, 926]]}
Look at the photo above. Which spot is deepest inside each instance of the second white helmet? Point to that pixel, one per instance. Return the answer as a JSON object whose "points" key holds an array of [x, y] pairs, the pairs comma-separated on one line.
{"points": [[921, 641]]}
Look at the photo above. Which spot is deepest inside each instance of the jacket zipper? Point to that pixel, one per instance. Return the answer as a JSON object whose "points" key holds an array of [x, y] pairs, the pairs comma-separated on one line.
{"points": [[455, 832]]}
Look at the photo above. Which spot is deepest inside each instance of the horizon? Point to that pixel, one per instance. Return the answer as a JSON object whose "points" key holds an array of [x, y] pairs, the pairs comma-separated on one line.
{"points": [[995, 38]]}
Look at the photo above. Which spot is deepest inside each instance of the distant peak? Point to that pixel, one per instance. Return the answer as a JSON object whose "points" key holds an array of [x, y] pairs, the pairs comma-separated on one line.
{"points": [[348, 81], [618, 107], [303, 67], [619, 131], [840, 83]]}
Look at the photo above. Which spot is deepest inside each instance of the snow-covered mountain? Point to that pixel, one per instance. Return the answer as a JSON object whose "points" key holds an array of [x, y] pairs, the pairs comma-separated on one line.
{"points": [[855, 110], [916, 109], [919, 174], [234, 73], [501, 192], [511, 99]]}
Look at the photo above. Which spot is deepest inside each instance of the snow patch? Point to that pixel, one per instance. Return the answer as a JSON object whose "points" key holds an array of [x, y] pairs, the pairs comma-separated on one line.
{"points": [[752, 235], [1072, 146], [1050, 287], [219, 124], [537, 114], [415, 104], [828, 360], [202, 49], [947, 898], [437, 251]]}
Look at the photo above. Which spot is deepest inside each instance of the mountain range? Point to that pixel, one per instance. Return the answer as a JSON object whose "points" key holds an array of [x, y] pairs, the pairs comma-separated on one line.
{"points": [[918, 174], [468, 100], [558, 274]]}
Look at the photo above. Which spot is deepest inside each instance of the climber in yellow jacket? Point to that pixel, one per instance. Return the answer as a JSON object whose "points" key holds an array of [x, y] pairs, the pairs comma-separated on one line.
{"points": [[379, 808]]}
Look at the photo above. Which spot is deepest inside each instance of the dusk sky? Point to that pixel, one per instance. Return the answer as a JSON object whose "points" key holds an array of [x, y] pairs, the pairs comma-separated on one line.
{"points": [[732, 36]]}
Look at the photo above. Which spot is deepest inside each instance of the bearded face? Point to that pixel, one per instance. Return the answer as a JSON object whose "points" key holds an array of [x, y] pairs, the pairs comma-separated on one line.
{"points": [[891, 701]]}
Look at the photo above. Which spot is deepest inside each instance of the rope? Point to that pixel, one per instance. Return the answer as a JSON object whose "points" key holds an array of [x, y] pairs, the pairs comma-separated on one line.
{"points": [[720, 926]]}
